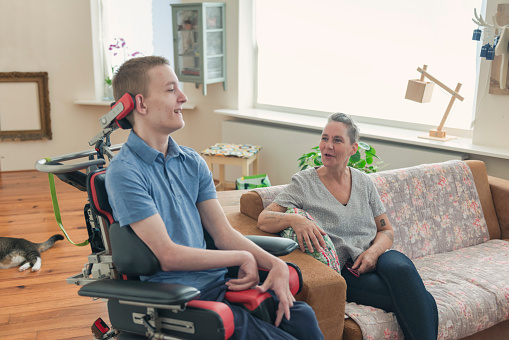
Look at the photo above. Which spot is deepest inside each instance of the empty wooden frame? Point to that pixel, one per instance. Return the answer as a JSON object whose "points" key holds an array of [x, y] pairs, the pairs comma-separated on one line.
{"points": [[24, 106]]}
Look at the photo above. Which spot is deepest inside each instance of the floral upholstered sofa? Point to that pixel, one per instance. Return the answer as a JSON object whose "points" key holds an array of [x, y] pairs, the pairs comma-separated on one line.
{"points": [[451, 219]]}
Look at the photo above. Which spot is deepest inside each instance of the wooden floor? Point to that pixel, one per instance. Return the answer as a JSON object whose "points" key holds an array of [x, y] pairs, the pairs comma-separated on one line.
{"points": [[41, 305]]}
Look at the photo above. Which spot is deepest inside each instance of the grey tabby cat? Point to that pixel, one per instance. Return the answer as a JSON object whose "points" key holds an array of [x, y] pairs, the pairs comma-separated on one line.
{"points": [[18, 251]]}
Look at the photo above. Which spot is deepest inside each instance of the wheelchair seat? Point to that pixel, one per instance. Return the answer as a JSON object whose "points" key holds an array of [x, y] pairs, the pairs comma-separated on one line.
{"points": [[138, 310]]}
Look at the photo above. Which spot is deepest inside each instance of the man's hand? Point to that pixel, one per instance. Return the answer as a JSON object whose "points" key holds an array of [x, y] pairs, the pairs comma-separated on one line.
{"points": [[278, 280], [309, 232], [248, 274]]}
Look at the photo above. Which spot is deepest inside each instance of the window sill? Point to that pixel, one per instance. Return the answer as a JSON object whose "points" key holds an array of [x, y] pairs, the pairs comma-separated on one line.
{"points": [[97, 102], [371, 131]]}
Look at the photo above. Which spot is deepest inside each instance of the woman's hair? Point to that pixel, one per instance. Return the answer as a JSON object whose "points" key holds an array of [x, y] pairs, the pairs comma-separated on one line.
{"points": [[353, 130], [132, 76]]}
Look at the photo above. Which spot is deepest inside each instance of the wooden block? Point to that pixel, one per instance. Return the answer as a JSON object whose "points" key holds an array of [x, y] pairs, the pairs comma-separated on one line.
{"points": [[419, 91], [437, 133]]}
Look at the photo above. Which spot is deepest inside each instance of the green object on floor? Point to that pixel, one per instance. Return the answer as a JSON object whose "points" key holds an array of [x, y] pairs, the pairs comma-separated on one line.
{"points": [[252, 182]]}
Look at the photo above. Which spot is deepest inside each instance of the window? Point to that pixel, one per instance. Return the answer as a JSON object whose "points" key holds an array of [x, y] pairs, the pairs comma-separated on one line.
{"points": [[357, 57], [123, 28], [126, 31]]}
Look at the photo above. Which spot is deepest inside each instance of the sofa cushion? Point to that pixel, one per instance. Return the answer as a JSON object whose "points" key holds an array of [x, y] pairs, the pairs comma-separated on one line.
{"points": [[433, 208], [471, 292], [327, 255]]}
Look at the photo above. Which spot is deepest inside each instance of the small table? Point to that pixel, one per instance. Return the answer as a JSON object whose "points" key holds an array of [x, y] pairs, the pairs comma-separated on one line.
{"points": [[231, 154]]}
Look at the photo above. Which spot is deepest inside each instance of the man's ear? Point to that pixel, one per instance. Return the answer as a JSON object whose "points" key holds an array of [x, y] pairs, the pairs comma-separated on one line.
{"points": [[139, 102]]}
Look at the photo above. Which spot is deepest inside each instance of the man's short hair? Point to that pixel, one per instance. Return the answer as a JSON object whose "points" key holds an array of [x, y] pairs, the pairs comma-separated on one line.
{"points": [[132, 76]]}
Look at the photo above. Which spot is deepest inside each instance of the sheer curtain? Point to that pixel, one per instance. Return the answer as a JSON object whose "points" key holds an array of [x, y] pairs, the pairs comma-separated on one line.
{"points": [[126, 32], [357, 57]]}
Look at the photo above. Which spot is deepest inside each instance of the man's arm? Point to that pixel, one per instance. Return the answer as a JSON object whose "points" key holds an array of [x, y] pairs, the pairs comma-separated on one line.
{"points": [[174, 257], [227, 238]]}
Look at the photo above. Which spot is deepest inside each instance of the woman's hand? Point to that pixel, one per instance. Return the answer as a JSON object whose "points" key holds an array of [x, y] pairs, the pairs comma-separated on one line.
{"points": [[366, 262], [309, 232], [273, 220]]}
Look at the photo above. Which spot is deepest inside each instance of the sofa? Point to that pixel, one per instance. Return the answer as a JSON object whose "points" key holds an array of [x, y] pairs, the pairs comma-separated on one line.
{"points": [[450, 218]]}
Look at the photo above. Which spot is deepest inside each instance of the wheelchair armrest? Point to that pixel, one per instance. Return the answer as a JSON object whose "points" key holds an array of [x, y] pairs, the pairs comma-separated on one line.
{"points": [[140, 292], [276, 246]]}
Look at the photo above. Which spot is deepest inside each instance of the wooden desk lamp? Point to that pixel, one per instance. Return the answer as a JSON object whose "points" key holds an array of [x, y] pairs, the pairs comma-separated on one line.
{"points": [[420, 91]]}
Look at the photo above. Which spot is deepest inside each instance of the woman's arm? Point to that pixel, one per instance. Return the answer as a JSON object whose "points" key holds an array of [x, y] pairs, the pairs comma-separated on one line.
{"points": [[384, 238], [274, 219]]}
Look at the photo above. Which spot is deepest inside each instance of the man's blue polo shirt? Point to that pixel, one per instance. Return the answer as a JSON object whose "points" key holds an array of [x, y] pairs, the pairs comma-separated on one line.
{"points": [[141, 182]]}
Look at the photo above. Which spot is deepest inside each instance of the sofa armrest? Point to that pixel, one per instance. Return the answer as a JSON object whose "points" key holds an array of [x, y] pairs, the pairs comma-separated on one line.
{"points": [[500, 193], [323, 288], [251, 204]]}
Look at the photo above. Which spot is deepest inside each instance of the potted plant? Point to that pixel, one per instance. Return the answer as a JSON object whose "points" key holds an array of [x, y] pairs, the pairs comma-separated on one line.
{"points": [[362, 160], [120, 53]]}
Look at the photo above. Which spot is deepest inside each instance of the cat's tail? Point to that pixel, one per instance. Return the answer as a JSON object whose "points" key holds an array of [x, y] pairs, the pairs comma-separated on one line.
{"points": [[49, 243]]}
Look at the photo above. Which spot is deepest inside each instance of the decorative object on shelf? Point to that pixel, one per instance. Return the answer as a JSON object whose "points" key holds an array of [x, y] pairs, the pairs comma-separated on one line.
{"points": [[199, 43], [119, 54], [363, 161], [495, 46], [420, 91]]}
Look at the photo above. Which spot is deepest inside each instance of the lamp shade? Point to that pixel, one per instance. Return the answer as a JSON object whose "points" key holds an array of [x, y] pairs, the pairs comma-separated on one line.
{"points": [[419, 91]]}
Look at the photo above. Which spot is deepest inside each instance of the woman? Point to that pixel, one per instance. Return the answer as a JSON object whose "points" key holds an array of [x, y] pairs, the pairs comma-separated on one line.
{"points": [[344, 201]]}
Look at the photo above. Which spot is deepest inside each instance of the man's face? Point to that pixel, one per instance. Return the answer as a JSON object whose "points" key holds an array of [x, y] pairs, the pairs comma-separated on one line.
{"points": [[164, 100]]}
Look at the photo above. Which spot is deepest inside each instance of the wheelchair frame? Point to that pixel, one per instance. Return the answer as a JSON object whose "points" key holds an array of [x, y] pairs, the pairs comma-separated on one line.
{"points": [[99, 277]]}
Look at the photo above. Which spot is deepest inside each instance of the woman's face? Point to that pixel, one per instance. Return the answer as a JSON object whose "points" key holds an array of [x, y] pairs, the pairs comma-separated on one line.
{"points": [[335, 145]]}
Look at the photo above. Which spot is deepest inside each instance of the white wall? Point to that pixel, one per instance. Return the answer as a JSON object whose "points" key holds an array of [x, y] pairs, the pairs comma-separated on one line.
{"points": [[55, 36], [52, 36]]}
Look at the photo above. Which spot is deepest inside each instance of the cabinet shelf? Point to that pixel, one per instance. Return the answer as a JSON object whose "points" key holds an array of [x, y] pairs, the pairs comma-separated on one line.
{"points": [[199, 47]]}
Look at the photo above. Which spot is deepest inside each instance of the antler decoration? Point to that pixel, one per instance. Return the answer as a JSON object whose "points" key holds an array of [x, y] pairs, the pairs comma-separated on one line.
{"points": [[501, 44]]}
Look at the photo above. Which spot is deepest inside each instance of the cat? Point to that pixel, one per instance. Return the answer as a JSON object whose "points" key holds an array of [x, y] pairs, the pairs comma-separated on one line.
{"points": [[18, 251]]}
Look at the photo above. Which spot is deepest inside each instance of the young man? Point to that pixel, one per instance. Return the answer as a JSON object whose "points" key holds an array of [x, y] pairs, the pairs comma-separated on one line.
{"points": [[167, 194]]}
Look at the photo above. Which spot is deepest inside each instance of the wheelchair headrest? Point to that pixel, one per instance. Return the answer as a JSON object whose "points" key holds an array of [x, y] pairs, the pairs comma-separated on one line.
{"points": [[97, 195], [128, 103]]}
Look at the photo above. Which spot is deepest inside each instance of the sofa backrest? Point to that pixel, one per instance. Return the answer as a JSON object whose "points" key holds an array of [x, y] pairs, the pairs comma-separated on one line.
{"points": [[433, 208]]}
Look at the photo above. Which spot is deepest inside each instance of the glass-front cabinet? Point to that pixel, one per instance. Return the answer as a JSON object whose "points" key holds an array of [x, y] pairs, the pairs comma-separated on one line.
{"points": [[199, 41]]}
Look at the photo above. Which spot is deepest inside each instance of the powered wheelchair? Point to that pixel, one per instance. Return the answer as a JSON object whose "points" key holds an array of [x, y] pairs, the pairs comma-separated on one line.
{"points": [[141, 310]]}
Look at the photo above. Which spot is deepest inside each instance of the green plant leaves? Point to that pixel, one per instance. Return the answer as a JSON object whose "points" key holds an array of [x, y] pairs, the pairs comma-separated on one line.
{"points": [[363, 159]]}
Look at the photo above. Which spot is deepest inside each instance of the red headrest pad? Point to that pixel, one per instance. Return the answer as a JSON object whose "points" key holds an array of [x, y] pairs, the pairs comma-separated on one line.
{"points": [[129, 103]]}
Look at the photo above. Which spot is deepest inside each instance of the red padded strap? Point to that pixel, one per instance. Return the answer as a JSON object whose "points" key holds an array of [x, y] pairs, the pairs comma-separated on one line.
{"points": [[221, 309], [250, 298], [295, 280], [96, 200]]}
